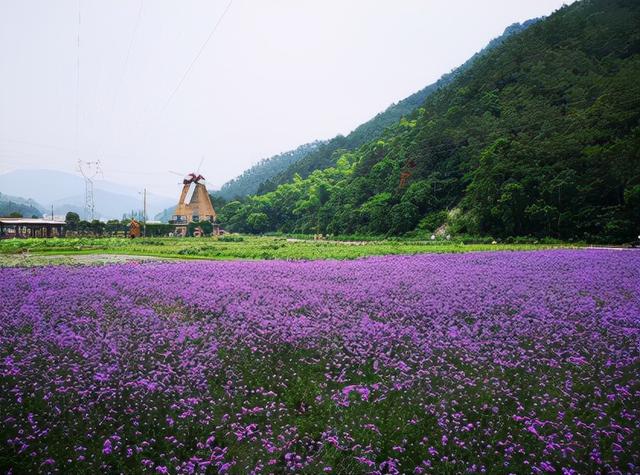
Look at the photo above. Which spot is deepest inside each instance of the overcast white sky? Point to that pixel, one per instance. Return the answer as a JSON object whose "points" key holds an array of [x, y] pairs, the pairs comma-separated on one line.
{"points": [[275, 74]]}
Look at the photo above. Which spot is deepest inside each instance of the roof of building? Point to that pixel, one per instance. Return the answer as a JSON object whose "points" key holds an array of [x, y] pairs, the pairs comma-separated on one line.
{"points": [[25, 221]]}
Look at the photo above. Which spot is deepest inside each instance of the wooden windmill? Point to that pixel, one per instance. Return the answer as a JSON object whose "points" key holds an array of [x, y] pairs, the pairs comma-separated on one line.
{"points": [[194, 205]]}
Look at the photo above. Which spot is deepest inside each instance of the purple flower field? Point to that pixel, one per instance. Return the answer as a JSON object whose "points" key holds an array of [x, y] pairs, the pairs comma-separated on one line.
{"points": [[505, 362]]}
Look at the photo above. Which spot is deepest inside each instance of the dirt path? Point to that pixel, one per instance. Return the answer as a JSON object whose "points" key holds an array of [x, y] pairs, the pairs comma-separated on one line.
{"points": [[30, 260]]}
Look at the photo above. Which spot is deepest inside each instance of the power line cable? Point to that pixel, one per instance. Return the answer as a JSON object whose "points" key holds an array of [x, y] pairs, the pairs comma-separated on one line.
{"points": [[191, 65], [195, 59], [78, 81], [124, 70]]}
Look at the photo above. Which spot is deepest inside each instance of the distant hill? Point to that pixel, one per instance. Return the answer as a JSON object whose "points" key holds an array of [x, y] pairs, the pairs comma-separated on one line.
{"points": [[165, 215], [14, 204], [250, 180], [540, 136], [327, 153], [65, 191]]}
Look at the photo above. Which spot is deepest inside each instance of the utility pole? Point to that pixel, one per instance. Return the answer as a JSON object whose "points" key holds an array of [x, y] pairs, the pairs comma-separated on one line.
{"points": [[52, 218], [144, 214]]}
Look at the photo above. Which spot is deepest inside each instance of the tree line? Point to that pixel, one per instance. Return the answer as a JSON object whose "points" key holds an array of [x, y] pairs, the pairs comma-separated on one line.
{"points": [[111, 228]]}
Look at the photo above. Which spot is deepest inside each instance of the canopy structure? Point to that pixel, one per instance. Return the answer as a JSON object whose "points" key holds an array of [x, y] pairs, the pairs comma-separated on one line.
{"points": [[25, 228]]}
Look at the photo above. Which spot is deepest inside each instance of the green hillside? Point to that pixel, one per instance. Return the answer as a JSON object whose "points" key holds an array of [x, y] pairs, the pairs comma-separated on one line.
{"points": [[250, 180], [327, 154], [540, 136], [267, 174]]}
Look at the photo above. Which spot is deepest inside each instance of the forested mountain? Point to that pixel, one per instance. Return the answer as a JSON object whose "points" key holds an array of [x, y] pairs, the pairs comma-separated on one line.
{"points": [[14, 204], [270, 172], [249, 181], [540, 136], [327, 154]]}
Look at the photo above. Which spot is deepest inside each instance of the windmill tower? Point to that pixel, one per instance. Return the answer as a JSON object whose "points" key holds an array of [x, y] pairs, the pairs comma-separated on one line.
{"points": [[194, 205]]}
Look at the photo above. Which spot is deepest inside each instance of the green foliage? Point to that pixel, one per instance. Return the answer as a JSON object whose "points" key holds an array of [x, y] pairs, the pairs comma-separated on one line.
{"points": [[404, 217], [375, 213], [72, 218], [249, 181], [231, 238], [97, 227], [258, 222], [156, 229], [433, 221], [205, 226], [238, 247], [539, 136]]}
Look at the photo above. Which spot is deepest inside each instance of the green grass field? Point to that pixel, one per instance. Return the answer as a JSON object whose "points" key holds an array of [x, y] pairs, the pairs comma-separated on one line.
{"points": [[231, 247]]}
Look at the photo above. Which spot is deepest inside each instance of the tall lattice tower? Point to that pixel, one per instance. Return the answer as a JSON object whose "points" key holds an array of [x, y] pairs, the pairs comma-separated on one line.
{"points": [[89, 170]]}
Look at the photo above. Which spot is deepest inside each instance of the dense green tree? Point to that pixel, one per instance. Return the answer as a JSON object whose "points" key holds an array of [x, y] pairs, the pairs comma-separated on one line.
{"points": [[97, 227], [433, 221], [72, 219], [375, 213], [258, 222], [159, 229], [113, 226], [84, 226], [404, 217]]}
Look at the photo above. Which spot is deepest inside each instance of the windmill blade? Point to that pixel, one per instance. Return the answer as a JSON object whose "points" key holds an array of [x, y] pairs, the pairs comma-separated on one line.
{"points": [[199, 165], [189, 196], [176, 173]]}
